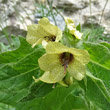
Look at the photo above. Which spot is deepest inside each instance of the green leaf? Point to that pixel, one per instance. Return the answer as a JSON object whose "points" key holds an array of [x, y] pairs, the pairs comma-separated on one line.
{"points": [[16, 70], [97, 93], [78, 27], [99, 83], [99, 54], [99, 66], [86, 36], [76, 100], [60, 98], [52, 101], [18, 91], [106, 44], [38, 90], [6, 107], [96, 34]]}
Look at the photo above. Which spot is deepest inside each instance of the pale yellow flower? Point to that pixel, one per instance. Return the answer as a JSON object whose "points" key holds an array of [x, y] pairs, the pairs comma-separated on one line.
{"points": [[72, 28], [59, 60], [44, 30]]}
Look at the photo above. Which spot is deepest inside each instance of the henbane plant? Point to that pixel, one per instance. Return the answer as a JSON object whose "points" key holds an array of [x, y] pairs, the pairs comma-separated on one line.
{"points": [[43, 32], [59, 61]]}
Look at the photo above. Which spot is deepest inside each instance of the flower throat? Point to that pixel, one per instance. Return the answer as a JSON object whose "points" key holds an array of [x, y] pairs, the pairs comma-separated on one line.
{"points": [[65, 59], [50, 38]]}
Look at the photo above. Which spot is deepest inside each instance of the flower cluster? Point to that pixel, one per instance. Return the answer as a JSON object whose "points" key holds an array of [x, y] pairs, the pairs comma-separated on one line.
{"points": [[72, 28], [59, 60]]}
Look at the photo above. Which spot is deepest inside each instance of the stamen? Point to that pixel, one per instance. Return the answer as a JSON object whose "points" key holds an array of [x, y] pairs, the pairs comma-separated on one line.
{"points": [[65, 59], [65, 66]]}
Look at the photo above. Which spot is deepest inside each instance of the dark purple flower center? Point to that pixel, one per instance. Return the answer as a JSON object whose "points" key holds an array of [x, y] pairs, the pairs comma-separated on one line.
{"points": [[50, 38], [65, 59]]}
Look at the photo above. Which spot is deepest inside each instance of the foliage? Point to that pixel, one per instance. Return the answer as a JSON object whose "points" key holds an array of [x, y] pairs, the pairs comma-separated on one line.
{"points": [[96, 34], [19, 91], [8, 42]]}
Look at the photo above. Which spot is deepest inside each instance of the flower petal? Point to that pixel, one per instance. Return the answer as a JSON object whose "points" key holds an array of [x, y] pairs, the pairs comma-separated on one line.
{"points": [[77, 34], [56, 48], [50, 28], [53, 76], [39, 31], [37, 42], [81, 55], [69, 21], [77, 70], [44, 43], [35, 32], [49, 61], [71, 29]]}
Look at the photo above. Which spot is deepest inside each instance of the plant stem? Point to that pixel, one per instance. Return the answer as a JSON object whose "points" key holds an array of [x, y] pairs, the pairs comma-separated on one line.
{"points": [[90, 7], [59, 13], [51, 9], [103, 11]]}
